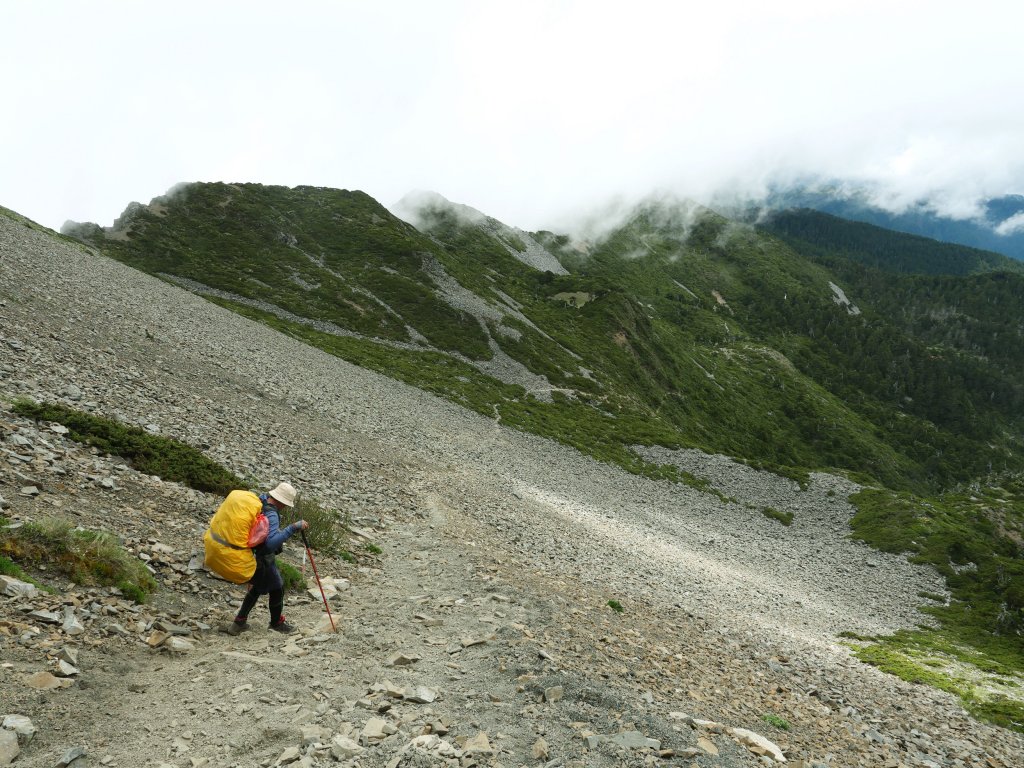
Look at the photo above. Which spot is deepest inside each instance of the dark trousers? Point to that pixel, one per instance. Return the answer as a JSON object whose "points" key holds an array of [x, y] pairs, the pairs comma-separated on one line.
{"points": [[266, 579]]}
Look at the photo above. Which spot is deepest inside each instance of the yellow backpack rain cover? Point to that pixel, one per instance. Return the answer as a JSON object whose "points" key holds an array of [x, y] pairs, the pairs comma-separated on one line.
{"points": [[225, 540]]}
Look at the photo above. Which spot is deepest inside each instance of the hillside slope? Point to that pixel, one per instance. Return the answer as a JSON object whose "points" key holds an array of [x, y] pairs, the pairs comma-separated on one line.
{"points": [[676, 328], [495, 532]]}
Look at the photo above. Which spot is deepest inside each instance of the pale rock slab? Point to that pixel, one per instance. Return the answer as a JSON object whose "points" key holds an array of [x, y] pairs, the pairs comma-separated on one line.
{"points": [[22, 727], [757, 742], [13, 587]]}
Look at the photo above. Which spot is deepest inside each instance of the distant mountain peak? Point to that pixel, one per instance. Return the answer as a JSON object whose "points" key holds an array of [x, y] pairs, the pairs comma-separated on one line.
{"points": [[423, 209]]}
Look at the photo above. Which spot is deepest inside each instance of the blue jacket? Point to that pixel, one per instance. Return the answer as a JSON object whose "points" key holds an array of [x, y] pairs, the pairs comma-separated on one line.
{"points": [[276, 536]]}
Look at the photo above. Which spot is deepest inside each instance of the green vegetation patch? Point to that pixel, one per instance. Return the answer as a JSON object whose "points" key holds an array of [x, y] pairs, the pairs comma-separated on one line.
{"points": [[89, 558], [151, 454], [292, 577], [779, 722], [989, 690], [974, 540], [328, 530], [10, 568], [786, 518]]}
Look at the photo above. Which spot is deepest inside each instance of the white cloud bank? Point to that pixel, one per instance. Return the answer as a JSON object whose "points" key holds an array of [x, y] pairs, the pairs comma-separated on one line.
{"points": [[528, 111]]}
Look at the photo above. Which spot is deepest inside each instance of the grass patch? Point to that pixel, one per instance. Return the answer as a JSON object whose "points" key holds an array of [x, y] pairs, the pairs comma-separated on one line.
{"points": [[151, 454], [906, 668], [786, 518], [293, 579], [372, 548], [88, 558], [988, 687], [616, 606], [781, 723], [10, 568]]}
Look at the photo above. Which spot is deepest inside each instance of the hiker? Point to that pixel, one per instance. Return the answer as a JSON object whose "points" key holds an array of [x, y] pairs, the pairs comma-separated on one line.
{"points": [[267, 578]]}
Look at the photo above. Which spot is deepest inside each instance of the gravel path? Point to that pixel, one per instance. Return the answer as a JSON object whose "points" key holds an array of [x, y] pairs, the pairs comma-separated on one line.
{"points": [[729, 615]]}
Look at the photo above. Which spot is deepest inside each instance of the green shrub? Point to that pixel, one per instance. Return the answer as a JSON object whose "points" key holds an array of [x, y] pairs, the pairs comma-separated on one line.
{"points": [[779, 722], [616, 606], [1000, 710], [328, 530], [85, 557], [152, 454], [786, 518]]}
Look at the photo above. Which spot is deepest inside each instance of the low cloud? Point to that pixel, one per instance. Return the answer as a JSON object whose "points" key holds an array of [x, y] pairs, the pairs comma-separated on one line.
{"points": [[1011, 226]]}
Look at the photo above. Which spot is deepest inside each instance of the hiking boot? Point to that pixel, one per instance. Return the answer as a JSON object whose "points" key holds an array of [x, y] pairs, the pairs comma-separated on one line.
{"points": [[283, 627], [236, 628]]}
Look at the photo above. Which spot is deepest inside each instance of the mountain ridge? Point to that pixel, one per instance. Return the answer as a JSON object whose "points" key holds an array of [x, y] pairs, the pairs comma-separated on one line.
{"points": [[997, 224]]}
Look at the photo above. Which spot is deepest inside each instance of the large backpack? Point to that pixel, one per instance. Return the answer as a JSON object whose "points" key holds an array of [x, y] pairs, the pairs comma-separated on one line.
{"points": [[234, 529]]}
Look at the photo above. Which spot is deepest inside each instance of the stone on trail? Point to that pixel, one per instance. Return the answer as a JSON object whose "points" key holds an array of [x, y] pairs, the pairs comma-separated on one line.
{"points": [[290, 755], [178, 644], [13, 587], [376, 729], [389, 689], [434, 745], [755, 742], [422, 695], [343, 748], [45, 617], [634, 740], [324, 625], [66, 670], [539, 751], [9, 748], [157, 638], [707, 746], [71, 626], [478, 745], [402, 659], [44, 681], [22, 727], [70, 756]]}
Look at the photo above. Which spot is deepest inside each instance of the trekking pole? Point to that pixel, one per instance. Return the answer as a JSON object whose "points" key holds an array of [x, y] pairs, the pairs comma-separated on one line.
{"points": [[310, 555]]}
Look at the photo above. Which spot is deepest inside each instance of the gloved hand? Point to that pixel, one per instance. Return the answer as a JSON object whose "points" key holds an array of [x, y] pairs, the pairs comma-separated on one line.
{"points": [[300, 525]]}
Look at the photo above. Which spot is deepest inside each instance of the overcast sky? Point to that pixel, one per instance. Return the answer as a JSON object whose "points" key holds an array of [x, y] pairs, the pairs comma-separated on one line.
{"points": [[529, 111]]}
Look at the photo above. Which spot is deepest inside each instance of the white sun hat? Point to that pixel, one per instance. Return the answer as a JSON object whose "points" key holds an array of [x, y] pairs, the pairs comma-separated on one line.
{"points": [[285, 494]]}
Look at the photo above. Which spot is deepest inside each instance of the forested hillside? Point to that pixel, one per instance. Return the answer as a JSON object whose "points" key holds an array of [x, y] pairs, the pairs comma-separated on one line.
{"points": [[994, 226], [678, 327]]}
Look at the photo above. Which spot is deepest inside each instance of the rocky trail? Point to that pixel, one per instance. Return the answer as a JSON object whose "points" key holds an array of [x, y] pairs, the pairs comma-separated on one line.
{"points": [[481, 634]]}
